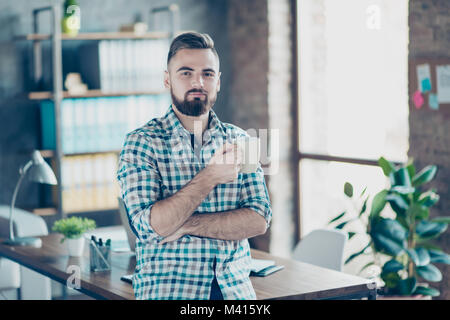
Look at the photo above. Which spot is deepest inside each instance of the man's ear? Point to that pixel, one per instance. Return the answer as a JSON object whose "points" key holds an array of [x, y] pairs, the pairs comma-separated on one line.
{"points": [[218, 82], [166, 80]]}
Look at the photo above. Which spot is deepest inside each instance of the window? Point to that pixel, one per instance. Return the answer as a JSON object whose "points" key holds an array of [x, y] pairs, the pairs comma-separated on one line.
{"points": [[353, 101]]}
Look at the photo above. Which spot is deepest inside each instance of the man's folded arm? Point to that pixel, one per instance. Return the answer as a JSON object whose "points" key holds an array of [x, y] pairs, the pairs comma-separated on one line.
{"points": [[251, 219], [141, 184], [235, 224]]}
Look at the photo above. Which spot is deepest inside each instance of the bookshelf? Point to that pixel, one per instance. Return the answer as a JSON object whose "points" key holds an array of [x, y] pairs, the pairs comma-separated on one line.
{"points": [[62, 122], [47, 95], [97, 36]]}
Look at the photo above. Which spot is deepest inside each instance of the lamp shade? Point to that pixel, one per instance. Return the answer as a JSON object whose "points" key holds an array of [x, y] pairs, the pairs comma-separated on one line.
{"points": [[40, 171]]}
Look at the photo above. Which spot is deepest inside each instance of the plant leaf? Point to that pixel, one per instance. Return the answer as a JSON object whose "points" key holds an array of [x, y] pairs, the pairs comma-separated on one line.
{"points": [[337, 217], [426, 291], [392, 266], [378, 203], [391, 229], [425, 175], [364, 207], [428, 199], [386, 245], [437, 256], [403, 189], [398, 200], [401, 178], [366, 266], [390, 279], [348, 189], [413, 255], [429, 273], [342, 225], [386, 165], [419, 212], [424, 257], [428, 229], [351, 235], [411, 168], [364, 191], [441, 219], [353, 256]]}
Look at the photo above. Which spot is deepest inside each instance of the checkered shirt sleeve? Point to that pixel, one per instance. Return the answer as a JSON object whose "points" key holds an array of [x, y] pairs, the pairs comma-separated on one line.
{"points": [[140, 184]]}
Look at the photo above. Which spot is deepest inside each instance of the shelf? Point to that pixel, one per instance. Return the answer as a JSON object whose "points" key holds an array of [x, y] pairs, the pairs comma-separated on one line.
{"points": [[44, 211], [51, 153], [105, 210], [44, 95], [98, 36], [53, 211]]}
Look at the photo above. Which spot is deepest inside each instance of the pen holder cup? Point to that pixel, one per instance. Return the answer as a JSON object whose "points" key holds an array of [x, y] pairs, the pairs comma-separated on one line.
{"points": [[100, 257]]}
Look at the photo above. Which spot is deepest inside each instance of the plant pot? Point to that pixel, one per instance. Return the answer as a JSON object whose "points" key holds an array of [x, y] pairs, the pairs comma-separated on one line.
{"points": [[415, 297], [75, 246], [412, 297]]}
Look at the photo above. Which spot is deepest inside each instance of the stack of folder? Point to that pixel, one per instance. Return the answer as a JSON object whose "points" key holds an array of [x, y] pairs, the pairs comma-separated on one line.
{"points": [[99, 124], [89, 182]]}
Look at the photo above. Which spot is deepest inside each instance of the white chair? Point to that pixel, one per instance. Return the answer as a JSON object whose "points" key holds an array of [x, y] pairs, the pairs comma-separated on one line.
{"points": [[28, 284], [126, 224], [323, 248]]}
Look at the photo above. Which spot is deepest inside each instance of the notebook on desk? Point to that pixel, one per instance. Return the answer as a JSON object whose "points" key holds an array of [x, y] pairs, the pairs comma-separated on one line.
{"points": [[262, 268]]}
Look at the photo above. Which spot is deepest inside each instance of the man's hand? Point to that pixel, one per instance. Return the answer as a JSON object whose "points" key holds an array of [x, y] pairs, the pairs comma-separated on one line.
{"points": [[224, 166]]}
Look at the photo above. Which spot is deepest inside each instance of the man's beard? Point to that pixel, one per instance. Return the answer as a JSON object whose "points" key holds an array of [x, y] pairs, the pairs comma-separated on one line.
{"points": [[196, 107]]}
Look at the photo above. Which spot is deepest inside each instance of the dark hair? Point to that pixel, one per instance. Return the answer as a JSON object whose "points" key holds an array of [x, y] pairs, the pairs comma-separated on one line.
{"points": [[191, 40]]}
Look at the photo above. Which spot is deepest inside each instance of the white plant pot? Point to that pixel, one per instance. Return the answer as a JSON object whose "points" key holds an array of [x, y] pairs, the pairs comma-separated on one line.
{"points": [[75, 246]]}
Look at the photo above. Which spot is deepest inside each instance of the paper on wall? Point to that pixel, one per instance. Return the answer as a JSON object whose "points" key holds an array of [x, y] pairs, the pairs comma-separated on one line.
{"points": [[418, 99], [433, 101], [443, 83], [424, 77]]}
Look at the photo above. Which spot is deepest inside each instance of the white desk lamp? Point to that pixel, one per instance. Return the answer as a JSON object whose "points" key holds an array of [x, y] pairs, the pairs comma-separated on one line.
{"points": [[38, 171]]}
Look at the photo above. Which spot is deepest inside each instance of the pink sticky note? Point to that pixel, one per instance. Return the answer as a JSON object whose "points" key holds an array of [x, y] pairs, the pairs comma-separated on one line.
{"points": [[418, 99]]}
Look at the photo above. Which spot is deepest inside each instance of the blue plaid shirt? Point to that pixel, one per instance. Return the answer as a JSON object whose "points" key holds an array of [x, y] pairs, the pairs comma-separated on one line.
{"points": [[156, 161]]}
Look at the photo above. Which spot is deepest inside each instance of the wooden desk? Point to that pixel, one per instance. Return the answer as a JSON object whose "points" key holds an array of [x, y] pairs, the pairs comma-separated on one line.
{"points": [[296, 281]]}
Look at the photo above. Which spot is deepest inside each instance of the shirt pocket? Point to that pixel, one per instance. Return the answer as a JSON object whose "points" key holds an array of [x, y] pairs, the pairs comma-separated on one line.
{"points": [[177, 170]]}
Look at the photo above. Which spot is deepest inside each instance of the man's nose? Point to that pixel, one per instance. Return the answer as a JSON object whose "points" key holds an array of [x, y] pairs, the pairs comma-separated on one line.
{"points": [[197, 82]]}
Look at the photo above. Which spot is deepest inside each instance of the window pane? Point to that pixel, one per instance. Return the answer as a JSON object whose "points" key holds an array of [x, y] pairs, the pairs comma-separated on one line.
{"points": [[322, 198], [353, 78]]}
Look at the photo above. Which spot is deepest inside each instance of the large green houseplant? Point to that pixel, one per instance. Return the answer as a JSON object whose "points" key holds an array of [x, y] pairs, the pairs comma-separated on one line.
{"points": [[406, 241]]}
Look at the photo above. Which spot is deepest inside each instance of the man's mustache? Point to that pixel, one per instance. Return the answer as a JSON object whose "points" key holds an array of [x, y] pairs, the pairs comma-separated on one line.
{"points": [[196, 91]]}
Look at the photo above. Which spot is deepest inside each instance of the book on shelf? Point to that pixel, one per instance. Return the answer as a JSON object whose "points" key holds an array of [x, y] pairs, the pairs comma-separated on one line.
{"points": [[89, 182], [90, 125], [124, 65]]}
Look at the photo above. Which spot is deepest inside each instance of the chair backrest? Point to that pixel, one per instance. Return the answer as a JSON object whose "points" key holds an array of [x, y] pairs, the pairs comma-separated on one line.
{"points": [[126, 224], [322, 247]]}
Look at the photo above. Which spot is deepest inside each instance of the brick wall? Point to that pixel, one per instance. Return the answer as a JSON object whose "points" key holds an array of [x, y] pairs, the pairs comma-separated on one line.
{"points": [[429, 140], [248, 104], [261, 63]]}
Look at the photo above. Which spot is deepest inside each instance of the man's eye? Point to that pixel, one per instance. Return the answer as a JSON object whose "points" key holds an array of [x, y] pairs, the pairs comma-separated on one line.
{"points": [[186, 73], [209, 74]]}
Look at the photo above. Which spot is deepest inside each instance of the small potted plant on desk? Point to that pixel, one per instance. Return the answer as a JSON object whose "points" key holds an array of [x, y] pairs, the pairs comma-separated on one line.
{"points": [[404, 243], [73, 229]]}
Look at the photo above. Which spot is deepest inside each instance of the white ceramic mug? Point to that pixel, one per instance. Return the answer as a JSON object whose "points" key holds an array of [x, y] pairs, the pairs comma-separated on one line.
{"points": [[250, 148]]}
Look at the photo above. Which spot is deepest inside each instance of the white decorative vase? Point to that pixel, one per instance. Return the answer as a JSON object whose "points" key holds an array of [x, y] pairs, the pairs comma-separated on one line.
{"points": [[76, 246]]}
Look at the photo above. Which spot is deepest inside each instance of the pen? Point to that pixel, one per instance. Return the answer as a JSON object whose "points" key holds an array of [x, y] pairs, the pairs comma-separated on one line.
{"points": [[100, 253]]}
